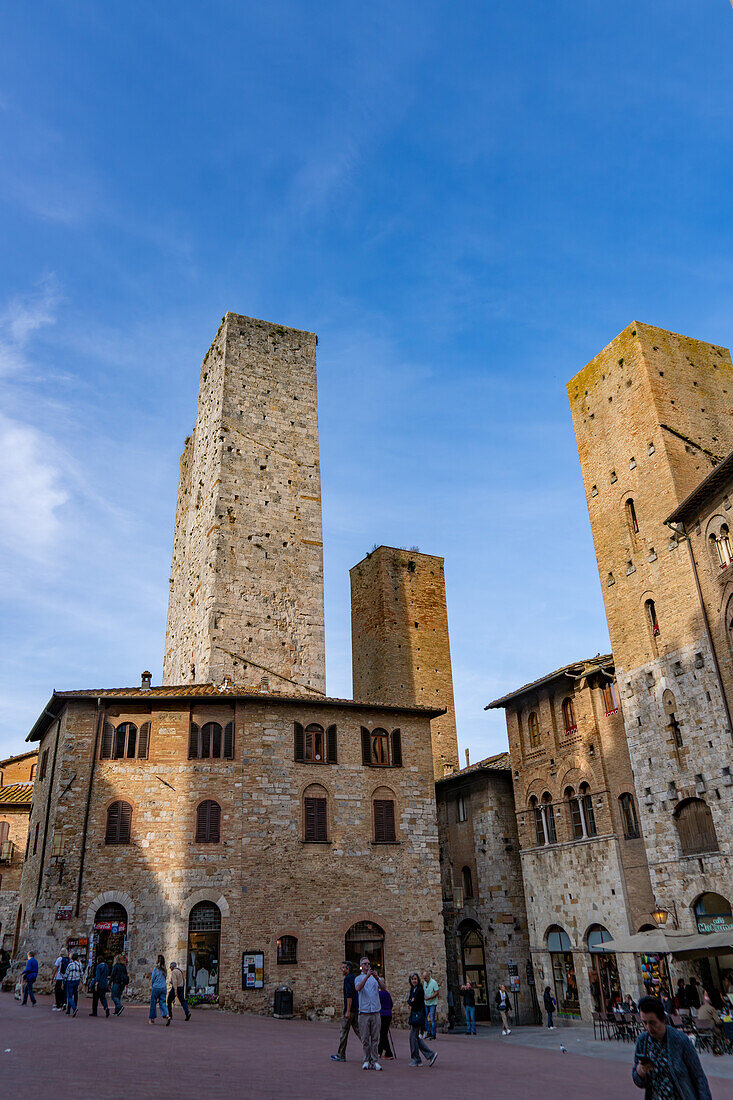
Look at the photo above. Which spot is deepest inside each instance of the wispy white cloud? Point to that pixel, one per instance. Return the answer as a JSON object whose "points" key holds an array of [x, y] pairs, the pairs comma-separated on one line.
{"points": [[21, 318], [31, 489]]}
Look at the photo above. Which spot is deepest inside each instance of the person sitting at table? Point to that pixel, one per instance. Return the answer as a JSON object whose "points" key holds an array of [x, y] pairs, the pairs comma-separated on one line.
{"points": [[629, 1004]]}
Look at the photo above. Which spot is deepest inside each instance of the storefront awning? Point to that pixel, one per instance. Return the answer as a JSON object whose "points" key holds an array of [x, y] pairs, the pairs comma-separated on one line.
{"points": [[658, 942]]}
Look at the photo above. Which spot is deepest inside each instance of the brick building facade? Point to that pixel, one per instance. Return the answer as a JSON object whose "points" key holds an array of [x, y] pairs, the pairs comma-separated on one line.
{"points": [[653, 416], [484, 910], [400, 647], [584, 866], [16, 795]]}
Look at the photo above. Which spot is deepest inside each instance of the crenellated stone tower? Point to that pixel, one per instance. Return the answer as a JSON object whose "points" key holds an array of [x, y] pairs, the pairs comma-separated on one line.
{"points": [[246, 595]]}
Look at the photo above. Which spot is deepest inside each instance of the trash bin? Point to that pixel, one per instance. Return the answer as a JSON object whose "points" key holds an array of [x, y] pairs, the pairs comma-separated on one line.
{"points": [[283, 1009]]}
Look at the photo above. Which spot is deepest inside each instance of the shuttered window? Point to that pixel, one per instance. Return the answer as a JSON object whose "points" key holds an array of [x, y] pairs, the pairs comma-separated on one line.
{"points": [[313, 745], [108, 740], [315, 813], [695, 827], [210, 741], [208, 818], [125, 742], [384, 821], [119, 820], [42, 769], [143, 741], [380, 749]]}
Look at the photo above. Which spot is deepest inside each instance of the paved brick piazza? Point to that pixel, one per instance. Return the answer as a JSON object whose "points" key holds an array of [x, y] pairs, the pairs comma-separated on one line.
{"points": [[219, 1054]]}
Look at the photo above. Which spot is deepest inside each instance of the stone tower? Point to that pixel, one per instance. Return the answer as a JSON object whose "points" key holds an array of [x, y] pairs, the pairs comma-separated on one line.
{"points": [[653, 414], [399, 639], [246, 596]]}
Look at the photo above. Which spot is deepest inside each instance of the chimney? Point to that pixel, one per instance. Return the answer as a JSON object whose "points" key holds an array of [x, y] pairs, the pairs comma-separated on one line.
{"points": [[145, 679], [468, 762]]}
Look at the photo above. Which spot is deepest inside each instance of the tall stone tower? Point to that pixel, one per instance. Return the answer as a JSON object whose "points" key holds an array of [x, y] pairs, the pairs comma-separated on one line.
{"points": [[653, 413], [399, 639], [246, 596]]}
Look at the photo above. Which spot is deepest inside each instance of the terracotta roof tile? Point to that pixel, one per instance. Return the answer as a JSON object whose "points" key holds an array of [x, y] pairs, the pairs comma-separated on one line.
{"points": [[500, 762], [17, 794], [576, 669]]}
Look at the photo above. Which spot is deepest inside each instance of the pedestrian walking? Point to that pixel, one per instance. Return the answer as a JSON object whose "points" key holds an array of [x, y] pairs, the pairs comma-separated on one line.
{"points": [[385, 1020], [504, 1005], [550, 1005], [367, 984], [74, 974], [29, 976], [350, 1017], [417, 1021], [59, 982], [666, 1064], [158, 989], [100, 985], [176, 990], [468, 995], [119, 978], [430, 990]]}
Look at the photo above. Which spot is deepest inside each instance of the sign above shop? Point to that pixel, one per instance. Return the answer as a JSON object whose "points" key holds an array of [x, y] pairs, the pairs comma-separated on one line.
{"points": [[64, 912], [113, 926], [720, 922]]}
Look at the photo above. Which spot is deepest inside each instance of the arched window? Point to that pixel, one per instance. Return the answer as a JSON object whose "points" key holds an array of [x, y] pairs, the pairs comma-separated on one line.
{"points": [[287, 950], [210, 741], [548, 815], [720, 547], [467, 878], [651, 613], [125, 741], [695, 827], [628, 816], [315, 814], [208, 822], [119, 820], [586, 804], [631, 519], [365, 939], [568, 714], [563, 971], [536, 810], [713, 913], [381, 749], [313, 745], [202, 957], [534, 730], [384, 816], [576, 816]]}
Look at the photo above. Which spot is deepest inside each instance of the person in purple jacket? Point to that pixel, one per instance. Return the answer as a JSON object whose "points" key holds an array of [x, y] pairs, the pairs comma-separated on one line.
{"points": [[385, 1020], [29, 976]]}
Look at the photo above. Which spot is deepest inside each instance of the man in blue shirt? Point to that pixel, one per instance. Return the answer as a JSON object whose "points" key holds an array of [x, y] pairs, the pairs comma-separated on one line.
{"points": [[367, 985], [29, 976], [350, 1018]]}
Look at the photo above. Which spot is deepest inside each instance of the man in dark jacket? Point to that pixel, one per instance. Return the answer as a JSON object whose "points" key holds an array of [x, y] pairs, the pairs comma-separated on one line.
{"points": [[350, 1018], [99, 988], [666, 1064], [29, 976]]}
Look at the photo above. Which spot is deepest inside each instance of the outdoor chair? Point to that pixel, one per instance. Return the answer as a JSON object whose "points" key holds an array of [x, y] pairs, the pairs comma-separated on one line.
{"points": [[599, 1025], [705, 1036]]}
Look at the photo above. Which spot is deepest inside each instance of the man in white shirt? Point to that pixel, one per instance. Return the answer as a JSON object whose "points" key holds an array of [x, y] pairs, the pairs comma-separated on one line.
{"points": [[430, 989], [367, 985], [74, 974]]}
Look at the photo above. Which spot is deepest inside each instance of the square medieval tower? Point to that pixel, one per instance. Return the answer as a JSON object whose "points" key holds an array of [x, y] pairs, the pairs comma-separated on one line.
{"points": [[246, 596]]}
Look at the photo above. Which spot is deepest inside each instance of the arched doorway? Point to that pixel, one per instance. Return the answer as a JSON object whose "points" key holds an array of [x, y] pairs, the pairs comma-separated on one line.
{"points": [[109, 933], [202, 960], [563, 971], [365, 938], [713, 914], [473, 962], [605, 987]]}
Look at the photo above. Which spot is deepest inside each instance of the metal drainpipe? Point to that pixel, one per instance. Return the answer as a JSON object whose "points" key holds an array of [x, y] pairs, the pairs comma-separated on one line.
{"points": [[87, 808], [679, 530], [48, 808]]}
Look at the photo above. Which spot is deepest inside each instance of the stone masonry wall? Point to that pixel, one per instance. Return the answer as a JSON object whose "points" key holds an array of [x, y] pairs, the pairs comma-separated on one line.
{"points": [[399, 639], [652, 414], [247, 577], [265, 879]]}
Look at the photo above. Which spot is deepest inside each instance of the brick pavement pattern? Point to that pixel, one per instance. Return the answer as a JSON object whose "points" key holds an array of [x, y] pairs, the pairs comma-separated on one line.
{"points": [[227, 1055]]}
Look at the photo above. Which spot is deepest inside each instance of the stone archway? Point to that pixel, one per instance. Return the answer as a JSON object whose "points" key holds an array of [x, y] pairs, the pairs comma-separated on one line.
{"points": [[118, 896]]}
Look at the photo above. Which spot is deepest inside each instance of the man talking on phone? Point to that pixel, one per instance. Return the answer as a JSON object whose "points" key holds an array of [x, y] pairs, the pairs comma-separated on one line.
{"points": [[367, 985], [666, 1064]]}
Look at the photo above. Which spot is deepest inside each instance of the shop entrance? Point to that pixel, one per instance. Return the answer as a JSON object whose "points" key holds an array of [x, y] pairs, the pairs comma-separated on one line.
{"points": [[202, 962], [110, 933], [563, 972], [474, 968], [605, 987], [365, 938], [713, 914]]}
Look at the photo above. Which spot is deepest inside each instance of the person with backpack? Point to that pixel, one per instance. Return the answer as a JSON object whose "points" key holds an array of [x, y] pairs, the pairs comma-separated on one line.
{"points": [[59, 981], [74, 975], [550, 1006], [119, 979]]}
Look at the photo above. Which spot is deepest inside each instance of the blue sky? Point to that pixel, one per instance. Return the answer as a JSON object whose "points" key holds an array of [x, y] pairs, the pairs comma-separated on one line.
{"points": [[466, 201]]}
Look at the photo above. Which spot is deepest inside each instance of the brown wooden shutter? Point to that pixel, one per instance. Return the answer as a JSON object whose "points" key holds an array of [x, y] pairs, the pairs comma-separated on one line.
{"points": [[125, 822], [321, 819], [299, 743], [316, 819], [696, 829], [108, 740], [384, 823], [208, 819], [331, 754], [113, 823], [366, 746], [229, 741], [396, 749], [143, 741], [193, 742]]}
